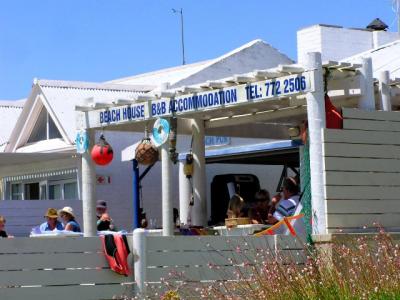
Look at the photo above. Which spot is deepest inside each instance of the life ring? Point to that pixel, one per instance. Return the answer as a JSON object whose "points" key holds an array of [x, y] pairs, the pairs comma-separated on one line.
{"points": [[161, 130]]}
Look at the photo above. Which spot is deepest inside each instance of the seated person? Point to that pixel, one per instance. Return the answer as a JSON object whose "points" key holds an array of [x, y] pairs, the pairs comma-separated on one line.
{"points": [[51, 221], [143, 223], [235, 207], [176, 217], [258, 213], [104, 221], [285, 207], [3, 233], [68, 217]]}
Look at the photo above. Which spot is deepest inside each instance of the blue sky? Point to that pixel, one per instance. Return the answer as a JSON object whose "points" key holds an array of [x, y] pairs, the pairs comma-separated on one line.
{"points": [[99, 40]]}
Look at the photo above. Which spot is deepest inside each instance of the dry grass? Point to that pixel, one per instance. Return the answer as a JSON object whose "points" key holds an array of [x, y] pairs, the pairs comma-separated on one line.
{"points": [[364, 268]]}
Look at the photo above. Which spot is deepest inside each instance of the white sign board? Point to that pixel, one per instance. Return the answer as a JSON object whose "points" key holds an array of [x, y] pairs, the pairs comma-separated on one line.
{"points": [[215, 99], [211, 141]]}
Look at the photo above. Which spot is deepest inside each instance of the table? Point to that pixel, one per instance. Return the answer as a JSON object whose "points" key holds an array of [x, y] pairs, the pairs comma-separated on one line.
{"points": [[247, 229]]}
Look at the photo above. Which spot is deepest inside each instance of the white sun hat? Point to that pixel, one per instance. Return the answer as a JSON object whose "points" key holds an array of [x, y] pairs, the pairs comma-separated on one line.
{"points": [[67, 210]]}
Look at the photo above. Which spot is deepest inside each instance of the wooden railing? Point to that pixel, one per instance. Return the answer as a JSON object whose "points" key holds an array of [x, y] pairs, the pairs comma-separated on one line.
{"points": [[205, 258], [362, 166]]}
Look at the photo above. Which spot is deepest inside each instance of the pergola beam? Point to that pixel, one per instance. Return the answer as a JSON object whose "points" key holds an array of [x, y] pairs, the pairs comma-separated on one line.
{"points": [[256, 117]]}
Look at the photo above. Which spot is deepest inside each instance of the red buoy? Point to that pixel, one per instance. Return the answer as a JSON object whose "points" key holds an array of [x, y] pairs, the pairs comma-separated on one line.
{"points": [[102, 152]]}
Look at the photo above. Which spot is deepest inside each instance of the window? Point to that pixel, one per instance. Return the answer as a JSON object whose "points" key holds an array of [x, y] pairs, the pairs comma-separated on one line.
{"points": [[16, 191], [31, 191], [55, 192], [65, 189], [44, 128], [70, 190], [43, 190]]}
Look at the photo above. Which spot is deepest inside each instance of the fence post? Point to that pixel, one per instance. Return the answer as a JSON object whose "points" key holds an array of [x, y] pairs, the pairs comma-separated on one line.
{"points": [[139, 244], [384, 88]]}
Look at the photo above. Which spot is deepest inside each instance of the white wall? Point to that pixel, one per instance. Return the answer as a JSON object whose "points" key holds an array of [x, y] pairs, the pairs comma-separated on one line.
{"points": [[337, 43]]}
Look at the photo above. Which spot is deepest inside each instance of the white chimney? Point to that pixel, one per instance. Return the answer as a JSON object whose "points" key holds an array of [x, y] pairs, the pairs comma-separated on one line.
{"points": [[338, 43]]}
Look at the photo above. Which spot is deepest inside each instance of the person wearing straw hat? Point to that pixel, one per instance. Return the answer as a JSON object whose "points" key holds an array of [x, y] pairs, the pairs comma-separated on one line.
{"points": [[68, 217], [51, 221]]}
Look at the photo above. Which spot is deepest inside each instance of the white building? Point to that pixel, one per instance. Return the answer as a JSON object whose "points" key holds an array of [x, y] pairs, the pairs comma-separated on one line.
{"points": [[40, 161]]}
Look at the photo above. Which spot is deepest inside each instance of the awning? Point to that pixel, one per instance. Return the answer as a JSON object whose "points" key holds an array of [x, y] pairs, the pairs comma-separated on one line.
{"points": [[10, 162], [284, 152], [41, 175]]}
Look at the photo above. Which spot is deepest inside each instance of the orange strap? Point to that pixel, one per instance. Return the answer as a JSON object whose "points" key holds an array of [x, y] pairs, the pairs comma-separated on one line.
{"points": [[286, 221]]}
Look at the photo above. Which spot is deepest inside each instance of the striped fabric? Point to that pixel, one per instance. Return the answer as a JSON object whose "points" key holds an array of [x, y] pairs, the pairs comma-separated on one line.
{"points": [[286, 207]]}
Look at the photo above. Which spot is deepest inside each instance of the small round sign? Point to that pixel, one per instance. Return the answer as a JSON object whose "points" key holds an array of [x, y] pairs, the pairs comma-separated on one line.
{"points": [[161, 131]]}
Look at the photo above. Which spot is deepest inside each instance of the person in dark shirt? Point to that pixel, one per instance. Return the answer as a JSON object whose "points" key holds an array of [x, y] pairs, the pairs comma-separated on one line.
{"points": [[258, 213], [104, 221], [68, 216], [3, 233]]}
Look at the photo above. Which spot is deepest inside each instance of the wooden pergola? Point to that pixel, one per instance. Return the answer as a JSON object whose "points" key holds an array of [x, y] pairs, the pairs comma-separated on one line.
{"points": [[262, 104]]}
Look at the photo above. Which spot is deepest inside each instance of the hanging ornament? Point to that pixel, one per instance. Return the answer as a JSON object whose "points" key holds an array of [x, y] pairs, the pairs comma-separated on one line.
{"points": [[161, 130], [102, 152], [188, 166], [146, 153]]}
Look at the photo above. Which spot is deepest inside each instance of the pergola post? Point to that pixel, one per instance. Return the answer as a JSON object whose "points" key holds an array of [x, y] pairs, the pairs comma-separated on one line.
{"points": [[199, 212], [166, 179], [184, 194], [316, 122], [89, 190], [367, 100], [384, 89]]}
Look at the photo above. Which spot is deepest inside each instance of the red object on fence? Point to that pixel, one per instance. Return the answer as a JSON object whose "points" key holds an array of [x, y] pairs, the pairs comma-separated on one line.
{"points": [[116, 250]]}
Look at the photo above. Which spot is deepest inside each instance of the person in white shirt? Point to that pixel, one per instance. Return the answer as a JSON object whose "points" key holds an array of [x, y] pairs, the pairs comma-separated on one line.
{"points": [[286, 205]]}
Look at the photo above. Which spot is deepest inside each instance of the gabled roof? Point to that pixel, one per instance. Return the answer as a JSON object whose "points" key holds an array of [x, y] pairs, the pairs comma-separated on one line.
{"points": [[60, 98], [9, 112], [384, 58], [254, 55]]}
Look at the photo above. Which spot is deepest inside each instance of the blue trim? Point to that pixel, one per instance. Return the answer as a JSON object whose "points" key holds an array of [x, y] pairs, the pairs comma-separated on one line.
{"points": [[270, 146], [135, 194]]}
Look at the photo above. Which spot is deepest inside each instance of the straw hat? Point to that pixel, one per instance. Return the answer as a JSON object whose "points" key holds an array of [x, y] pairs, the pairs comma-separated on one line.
{"points": [[51, 213], [67, 210]]}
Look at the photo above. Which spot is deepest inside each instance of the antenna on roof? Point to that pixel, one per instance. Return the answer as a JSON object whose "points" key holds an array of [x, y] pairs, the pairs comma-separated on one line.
{"points": [[175, 11]]}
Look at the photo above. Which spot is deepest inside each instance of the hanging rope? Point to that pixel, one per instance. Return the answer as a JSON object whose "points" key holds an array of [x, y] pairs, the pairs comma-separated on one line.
{"points": [[188, 170]]}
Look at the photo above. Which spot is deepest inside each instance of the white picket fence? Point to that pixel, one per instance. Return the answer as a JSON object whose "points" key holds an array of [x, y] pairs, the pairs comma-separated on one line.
{"points": [[199, 259], [58, 268]]}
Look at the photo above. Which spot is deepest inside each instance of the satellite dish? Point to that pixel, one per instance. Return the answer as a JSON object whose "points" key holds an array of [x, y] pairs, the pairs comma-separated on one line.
{"points": [[161, 131]]}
